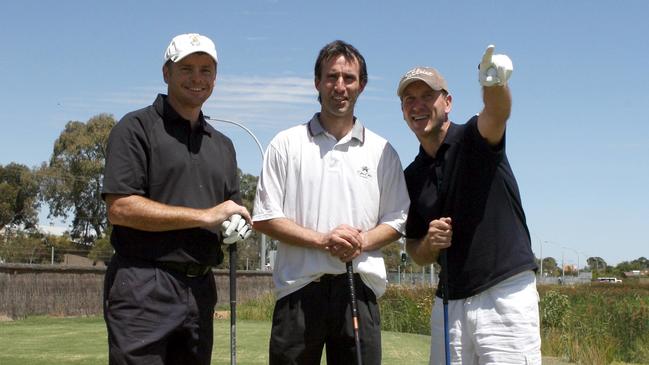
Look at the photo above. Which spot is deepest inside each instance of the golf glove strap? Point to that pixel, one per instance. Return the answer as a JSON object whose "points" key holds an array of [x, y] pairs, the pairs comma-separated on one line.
{"points": [[235, 229], [494, 69]]}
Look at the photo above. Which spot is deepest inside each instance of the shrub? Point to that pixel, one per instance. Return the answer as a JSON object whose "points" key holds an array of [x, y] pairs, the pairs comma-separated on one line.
{"points": [[260, 308], [603, 323], [554, 309], [407, 309]]}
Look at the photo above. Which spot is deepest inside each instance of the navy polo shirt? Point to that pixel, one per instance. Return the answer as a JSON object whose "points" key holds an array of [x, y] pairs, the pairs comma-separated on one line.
{"points": [[473, 183], [153, 152]]}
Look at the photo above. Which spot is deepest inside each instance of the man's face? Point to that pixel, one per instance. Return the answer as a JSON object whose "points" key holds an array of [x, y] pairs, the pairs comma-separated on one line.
{"points": [[191, 80], [339, 85], [424, 109]]}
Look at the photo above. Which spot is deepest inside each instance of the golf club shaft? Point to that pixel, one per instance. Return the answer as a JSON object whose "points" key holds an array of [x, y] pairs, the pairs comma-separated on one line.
{"points": [[352, 291], [233, 303], [447, 346]]}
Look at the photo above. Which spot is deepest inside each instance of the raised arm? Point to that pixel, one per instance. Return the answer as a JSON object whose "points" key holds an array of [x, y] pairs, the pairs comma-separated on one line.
{"points": [[494, 72]]}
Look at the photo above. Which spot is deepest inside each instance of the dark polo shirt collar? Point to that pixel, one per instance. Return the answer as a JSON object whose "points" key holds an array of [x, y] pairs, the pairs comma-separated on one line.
{"points": [[453, 136], [167, 112]]}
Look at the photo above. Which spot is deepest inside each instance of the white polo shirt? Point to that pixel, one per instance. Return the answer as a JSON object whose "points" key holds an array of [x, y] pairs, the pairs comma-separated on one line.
{"points": [[320, 183]]}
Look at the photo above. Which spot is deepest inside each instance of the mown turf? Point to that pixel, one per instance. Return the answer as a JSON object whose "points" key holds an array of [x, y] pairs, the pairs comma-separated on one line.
{"points": [[62, 341]]}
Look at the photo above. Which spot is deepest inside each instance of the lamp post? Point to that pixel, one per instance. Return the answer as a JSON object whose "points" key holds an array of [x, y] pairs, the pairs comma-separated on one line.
{"points": [[563, 270], [262, 248], [541, 245], [576, 252]]}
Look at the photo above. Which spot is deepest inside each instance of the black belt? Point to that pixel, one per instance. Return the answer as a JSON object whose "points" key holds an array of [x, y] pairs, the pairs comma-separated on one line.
{"points": [[188, 269], [331, 277]]}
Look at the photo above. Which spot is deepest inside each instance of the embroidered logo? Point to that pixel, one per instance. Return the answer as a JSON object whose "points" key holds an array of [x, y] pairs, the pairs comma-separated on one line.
{"points": [[364, 172]]}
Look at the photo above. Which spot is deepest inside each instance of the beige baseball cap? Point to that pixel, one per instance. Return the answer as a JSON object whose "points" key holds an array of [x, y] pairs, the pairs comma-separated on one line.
{"points": [[429, 75], [185, 44]]}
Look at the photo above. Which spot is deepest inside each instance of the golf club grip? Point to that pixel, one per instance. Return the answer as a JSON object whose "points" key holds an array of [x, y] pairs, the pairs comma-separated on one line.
{"points": [[232, 249], [352, 291]]}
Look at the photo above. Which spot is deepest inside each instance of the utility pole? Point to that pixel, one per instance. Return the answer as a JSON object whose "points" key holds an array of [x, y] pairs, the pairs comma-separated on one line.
{"points": [[563, 270], [541, 277]]}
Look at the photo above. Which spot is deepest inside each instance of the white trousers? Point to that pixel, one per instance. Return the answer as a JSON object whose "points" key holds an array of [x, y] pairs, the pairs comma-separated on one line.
{"points": [[497, 326]]}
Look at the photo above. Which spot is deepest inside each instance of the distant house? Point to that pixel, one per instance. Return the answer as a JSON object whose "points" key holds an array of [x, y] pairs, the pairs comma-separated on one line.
{"points": [[636, 273]]}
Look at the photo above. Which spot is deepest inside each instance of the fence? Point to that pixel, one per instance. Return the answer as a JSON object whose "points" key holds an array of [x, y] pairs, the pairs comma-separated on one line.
{"points": [[412, 279], [74, 290]]}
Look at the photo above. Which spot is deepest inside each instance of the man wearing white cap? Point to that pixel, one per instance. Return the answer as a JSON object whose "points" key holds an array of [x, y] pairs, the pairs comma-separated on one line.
{"points": [[465, 200], [170, 182]]}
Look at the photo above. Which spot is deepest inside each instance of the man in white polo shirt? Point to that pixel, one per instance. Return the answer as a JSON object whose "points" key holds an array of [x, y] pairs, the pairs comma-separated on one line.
{"points": [[330, 192]]}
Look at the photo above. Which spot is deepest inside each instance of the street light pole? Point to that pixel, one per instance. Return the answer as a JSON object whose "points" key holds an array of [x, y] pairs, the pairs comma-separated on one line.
{"points": [[262, 248], [541, 277], [563, 270]]}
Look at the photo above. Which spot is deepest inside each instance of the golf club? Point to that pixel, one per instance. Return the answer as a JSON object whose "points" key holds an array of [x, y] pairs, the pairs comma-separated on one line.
{"points": [[443, 193], [444, 277], [352, 291], [232, 249]]}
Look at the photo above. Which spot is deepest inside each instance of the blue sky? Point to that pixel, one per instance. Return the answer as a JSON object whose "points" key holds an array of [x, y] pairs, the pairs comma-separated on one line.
{"points": [[578, 137]]}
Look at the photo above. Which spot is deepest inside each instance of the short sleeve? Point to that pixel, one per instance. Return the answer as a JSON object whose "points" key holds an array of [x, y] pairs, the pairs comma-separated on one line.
{"points": [[270, 189], [394, 200], [126, 160]]}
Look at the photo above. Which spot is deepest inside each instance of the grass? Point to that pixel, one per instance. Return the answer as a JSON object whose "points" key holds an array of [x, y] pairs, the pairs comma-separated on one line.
{"points": [[596, 324], [82, 340]]}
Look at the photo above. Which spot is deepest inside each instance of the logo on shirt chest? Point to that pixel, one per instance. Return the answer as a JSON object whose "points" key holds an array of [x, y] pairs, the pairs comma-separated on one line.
{"points": [[364, 172]]}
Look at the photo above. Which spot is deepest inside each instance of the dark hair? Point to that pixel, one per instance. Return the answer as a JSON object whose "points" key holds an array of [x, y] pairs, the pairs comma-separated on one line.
{"points": [[338, 48]]}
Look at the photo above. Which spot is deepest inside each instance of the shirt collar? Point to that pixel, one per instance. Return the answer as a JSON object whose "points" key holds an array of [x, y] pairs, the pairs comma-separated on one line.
{"points": [[357, 132], [167, 112], [452, 137]]}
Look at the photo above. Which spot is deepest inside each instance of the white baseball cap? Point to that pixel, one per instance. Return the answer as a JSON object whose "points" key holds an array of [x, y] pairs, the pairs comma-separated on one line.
{"points": [[185, 44]]}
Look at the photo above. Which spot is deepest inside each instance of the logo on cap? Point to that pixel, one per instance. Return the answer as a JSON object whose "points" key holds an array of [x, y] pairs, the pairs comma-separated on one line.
{"points": [[417, 72]]}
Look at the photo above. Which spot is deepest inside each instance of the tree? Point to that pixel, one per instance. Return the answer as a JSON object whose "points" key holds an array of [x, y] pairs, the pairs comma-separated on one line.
{"points": [[247, 188], [102, 250], [596, 264], [625, 266], [641, 263], [19, 202], [73, 178], [247, 250], [550, 266]]}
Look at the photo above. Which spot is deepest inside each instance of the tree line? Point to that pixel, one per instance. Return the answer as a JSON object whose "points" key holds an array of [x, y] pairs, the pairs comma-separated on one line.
{"points": [[70, 185]]}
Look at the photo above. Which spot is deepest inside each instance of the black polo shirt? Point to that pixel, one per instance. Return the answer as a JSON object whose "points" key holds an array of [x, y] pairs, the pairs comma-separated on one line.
{"points": [[154, 153], [473, 183]]}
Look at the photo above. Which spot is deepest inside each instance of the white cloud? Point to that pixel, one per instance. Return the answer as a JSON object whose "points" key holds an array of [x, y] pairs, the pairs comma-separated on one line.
{"points": [[270, 101]]}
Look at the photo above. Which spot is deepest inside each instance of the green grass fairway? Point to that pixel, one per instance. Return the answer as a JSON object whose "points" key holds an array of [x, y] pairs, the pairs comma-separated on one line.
{"points": [[61, 341]]}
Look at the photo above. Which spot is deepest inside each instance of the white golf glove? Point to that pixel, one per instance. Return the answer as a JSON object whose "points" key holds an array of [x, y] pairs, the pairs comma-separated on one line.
{"points": [[495, 69], [235, 229]]}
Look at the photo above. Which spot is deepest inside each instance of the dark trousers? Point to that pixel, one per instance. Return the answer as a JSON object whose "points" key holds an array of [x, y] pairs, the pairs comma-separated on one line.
{"points": [[320, 315], [156, 316]]}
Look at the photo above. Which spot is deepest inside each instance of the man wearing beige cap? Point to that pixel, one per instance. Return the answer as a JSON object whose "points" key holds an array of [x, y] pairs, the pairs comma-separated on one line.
{"points": [[170, 182], [466, 206]]}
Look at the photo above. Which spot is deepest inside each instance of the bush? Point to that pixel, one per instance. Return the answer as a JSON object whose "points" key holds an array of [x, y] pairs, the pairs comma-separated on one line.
{"points": [[260, 308], [601, 323], [554, 310], [407, 309]]}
